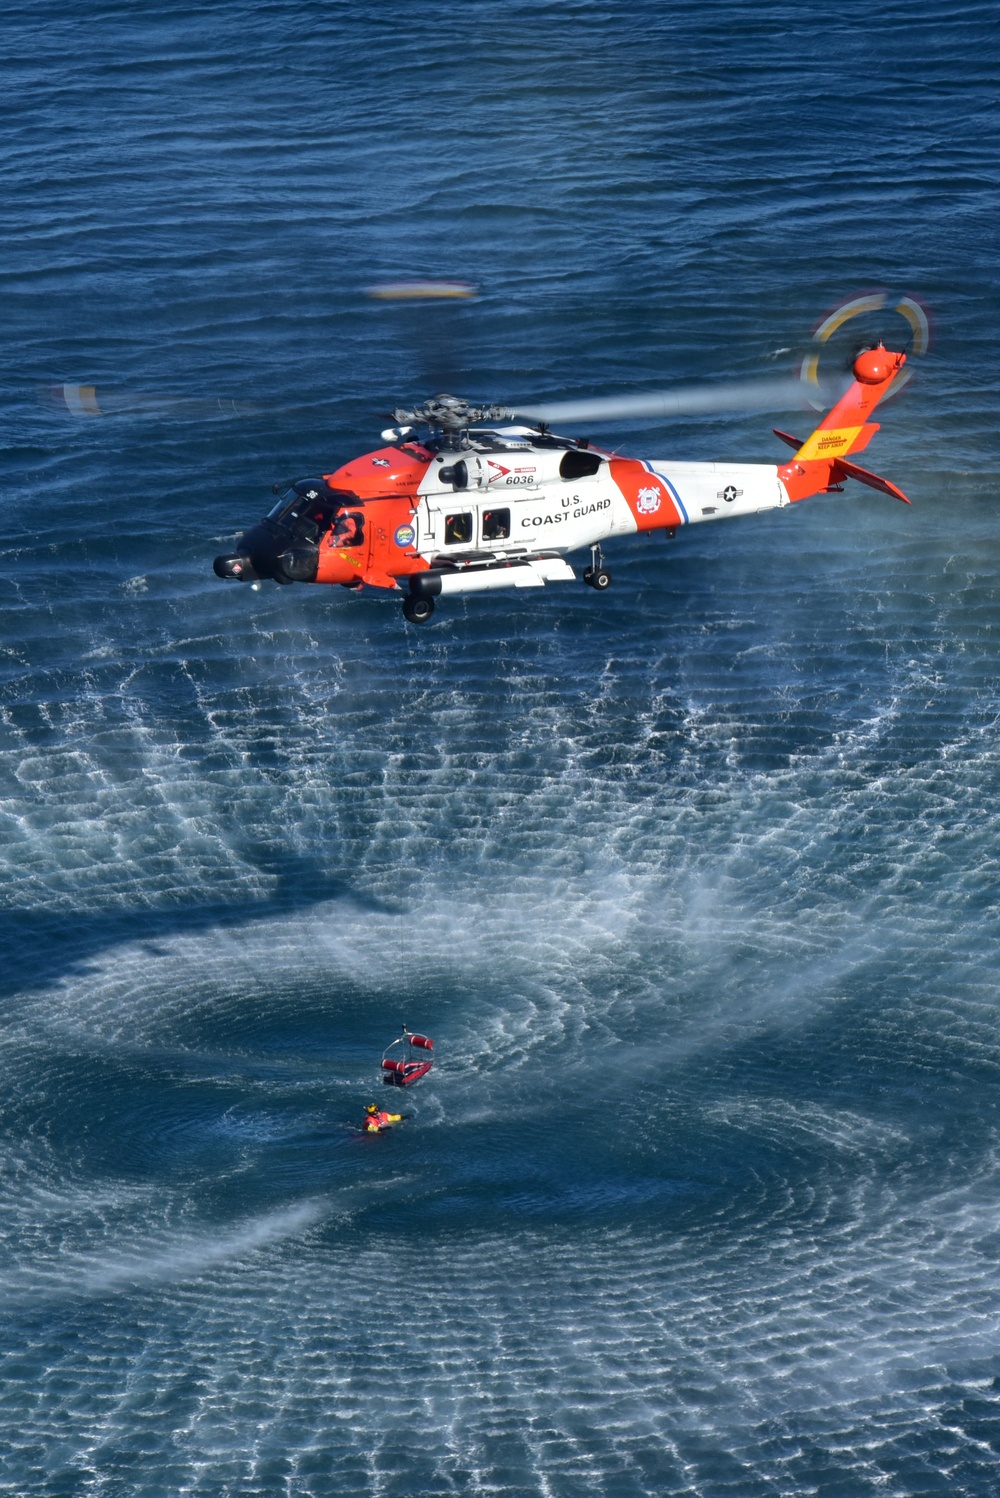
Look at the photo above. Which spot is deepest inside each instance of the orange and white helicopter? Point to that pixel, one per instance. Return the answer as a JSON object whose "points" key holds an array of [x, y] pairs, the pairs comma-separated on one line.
{"points": [[479, 503]]}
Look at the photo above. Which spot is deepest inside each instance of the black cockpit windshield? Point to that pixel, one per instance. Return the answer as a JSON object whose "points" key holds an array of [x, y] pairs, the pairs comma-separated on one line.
{"points": [[308, 508]]}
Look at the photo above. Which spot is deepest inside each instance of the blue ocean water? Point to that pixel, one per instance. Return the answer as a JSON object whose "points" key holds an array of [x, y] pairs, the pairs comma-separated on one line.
{"points": [[695, 884]]}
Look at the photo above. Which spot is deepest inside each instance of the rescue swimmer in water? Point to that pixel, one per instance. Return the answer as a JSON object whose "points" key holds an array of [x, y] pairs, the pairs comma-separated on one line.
{"points": [[377, 1119]]}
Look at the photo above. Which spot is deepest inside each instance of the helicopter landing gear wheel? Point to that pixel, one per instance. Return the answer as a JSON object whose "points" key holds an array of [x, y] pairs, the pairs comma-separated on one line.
{"points": [[599, 579], [597, 575], [418, 610]]}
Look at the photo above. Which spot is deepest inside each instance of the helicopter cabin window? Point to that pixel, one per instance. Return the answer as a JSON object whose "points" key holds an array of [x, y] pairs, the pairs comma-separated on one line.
{"points": [[458, 529], [349, 529], [496, 525]]}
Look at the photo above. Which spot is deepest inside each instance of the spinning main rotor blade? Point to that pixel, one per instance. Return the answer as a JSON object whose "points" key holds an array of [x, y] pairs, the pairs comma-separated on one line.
{"points": [[86, 401], [739, 395], [780, 393]]}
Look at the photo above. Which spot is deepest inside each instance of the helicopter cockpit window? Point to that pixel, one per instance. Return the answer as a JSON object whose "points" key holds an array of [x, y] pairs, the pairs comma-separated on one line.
{"points": [[288, 501], [349, 529], [458, 529], [496, 525], [306, 499], [306, 519], [579, 465]]}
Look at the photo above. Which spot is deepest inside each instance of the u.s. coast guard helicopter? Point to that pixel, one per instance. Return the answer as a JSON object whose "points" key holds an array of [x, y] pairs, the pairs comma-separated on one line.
{"points": [[477, 503]]}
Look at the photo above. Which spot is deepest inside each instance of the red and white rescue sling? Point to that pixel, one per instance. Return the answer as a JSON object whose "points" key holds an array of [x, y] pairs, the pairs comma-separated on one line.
{"points": [[411, 1062]]}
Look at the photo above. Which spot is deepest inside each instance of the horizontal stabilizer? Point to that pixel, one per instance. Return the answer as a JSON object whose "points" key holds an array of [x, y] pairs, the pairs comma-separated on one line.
{"points": [[792, 441], [843, 469]]}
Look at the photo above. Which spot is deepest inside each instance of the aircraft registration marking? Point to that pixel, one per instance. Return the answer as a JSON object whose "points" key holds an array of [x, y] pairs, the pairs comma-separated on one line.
{"points": [[560, 515]]}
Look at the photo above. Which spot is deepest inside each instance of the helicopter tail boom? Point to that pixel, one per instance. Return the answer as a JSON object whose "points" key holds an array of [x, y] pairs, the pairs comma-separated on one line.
{"points": [[821, 461]]}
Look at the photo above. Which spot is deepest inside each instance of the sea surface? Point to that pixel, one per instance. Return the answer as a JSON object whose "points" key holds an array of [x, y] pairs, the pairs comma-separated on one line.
{"points": [[695, 884]]}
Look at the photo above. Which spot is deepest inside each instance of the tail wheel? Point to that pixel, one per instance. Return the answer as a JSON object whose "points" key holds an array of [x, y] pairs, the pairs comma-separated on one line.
{"points": [[597, 577], [418, 610]]}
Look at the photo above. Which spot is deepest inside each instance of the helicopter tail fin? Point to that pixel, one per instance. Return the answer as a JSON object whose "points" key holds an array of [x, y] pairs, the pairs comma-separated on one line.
{"points": [[820, 462]]}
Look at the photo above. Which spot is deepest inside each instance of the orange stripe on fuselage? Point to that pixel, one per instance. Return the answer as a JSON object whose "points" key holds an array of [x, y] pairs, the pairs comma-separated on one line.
{"points": [[646, 495]]}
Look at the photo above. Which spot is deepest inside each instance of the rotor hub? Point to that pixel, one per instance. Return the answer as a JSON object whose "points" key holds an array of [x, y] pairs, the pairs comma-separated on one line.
{"points": [[450, 414]]}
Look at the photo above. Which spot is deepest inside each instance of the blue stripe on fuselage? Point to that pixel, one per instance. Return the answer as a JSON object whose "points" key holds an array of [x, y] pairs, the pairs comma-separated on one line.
{"points": [[670, 490]]}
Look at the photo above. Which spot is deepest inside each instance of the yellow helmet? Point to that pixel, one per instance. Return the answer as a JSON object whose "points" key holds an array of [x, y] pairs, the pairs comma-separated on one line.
{"points": [[372, 1108]]}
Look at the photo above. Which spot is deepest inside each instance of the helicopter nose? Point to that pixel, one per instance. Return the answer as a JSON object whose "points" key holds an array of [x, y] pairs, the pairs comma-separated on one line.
{"points": [[239, 567], [264, 552]]}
